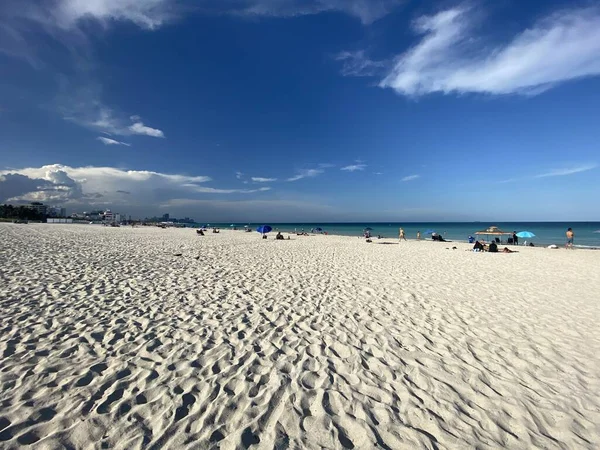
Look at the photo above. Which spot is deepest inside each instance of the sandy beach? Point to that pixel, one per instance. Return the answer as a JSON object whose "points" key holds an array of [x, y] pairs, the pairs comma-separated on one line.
{"points": [[109, 340]]}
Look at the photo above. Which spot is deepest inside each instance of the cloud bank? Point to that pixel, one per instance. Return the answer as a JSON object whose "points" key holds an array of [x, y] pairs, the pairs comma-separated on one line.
{"points": [[103, 186]]}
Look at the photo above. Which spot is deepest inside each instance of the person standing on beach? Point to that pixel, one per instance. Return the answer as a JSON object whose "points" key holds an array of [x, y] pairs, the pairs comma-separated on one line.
{"points": [[570, 236], [515, 238], [401, 234], [418, 235]]}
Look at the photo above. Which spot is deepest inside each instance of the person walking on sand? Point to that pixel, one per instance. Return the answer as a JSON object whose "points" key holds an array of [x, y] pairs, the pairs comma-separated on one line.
{"points": [[418, 235], [570, 236], [401, 235]]}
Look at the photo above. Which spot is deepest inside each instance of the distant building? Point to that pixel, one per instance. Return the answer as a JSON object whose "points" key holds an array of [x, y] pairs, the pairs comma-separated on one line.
{"points": [[165, 217], [56, 211], [38, 207], [108, 216]]}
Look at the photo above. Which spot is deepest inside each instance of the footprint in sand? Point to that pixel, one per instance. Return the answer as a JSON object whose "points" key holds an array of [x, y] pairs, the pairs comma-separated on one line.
{"points": [[311, 380], [85, 380], [184, 409], [115, 396]]}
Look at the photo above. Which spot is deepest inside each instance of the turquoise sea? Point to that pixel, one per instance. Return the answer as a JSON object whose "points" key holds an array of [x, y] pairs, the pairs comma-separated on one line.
{"points": [[587, 234]]}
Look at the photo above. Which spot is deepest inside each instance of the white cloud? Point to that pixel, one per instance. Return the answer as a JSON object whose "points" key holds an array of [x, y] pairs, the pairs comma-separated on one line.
{"points": [[104, 185], [83, 107], [209, 190], [140, 128], [450, 58], [563, 172], [306, 173], [368, 11], [148, 14], [354, 167], [567, 171], [239, 175], [107, 141], [263, 180], [411, 177], [378, 173], [23, 23], [357, 64]]}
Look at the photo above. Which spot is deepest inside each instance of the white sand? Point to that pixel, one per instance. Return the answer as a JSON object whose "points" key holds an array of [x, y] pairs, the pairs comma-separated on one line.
{"points": [[110, 341]]}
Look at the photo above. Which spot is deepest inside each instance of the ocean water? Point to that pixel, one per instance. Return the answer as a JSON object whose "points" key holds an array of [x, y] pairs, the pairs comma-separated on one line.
{"points": [[587, 234]]}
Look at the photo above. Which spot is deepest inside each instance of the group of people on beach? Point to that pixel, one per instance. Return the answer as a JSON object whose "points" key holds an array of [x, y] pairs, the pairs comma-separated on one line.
{"points": [[492, 248], [434, 236]]}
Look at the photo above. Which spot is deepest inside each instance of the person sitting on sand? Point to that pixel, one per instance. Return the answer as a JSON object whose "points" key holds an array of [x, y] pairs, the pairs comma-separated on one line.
{"points": [[200, 232], [493, 247], [478, 247], [279, 236]]}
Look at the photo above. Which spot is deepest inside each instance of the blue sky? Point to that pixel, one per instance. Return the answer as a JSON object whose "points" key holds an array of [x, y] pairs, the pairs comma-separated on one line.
{"points": [[312, 110]]}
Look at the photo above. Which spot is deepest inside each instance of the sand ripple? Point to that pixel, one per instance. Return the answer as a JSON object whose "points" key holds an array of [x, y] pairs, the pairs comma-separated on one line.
{"points": [[110, 341]]}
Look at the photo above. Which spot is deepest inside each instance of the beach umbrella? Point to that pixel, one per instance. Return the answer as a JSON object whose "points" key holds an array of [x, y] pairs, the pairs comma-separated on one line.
{"points": [[263, 229], [430, 232], [525, 234], [492, 231], [318, 229]]}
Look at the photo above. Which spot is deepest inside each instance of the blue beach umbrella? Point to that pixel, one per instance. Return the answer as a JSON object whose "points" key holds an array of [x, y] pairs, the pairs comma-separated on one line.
{"points": [[525, 234], [430, 232], [318, 229], [263, 229]]}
